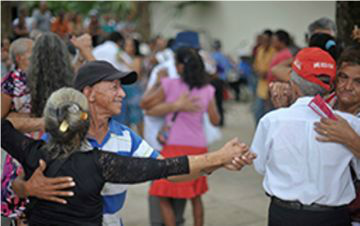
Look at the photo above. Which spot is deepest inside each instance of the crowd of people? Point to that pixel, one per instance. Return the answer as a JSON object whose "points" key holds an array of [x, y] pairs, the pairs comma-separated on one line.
{"points": [[142, 111]]}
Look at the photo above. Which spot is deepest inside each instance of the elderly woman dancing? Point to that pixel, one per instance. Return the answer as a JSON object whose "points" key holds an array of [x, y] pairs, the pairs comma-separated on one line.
{"points": [[67, 121]]}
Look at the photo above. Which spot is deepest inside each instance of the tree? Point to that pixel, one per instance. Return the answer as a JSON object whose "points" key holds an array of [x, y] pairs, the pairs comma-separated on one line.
{"points": [[347, 16]]}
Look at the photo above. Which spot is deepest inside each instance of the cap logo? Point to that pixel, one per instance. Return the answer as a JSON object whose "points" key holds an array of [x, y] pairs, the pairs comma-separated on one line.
{"points": [[297, 64], [323, 65]]}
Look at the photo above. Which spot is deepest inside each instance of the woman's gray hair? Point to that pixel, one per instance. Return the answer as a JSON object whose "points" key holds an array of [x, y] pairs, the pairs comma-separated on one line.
{"points": [[49, 70], [322, 23], [307, 88], [67, 121], [19, 47]]}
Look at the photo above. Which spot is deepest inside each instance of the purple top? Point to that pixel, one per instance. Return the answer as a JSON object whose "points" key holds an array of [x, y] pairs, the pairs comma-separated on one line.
{"points": [[188, 128]]}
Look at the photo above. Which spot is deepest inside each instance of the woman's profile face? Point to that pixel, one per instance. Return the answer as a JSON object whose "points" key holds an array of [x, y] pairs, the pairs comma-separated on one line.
{"points": [[129, 46]]}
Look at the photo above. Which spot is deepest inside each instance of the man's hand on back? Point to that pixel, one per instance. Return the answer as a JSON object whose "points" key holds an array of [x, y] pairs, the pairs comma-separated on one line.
{"points": [[47, 188]]}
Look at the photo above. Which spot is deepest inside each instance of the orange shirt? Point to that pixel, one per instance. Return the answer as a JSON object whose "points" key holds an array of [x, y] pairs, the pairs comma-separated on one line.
{"points": [[62, 29]]}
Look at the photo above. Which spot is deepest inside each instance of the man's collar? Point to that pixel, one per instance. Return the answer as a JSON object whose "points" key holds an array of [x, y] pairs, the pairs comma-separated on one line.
{"points": [[301, 101], [115, 127]]}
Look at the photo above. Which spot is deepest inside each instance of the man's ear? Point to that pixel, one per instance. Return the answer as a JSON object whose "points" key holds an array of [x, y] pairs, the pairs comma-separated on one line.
{"points": [[89, 93]]}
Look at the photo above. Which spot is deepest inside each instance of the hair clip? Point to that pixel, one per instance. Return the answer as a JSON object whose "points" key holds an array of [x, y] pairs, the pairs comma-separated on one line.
{"points": [[64, 126], [84, 116]]}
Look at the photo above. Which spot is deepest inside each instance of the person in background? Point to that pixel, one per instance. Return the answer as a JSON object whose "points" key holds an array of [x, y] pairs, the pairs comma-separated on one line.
{"points": [[15, 102], [109, 24], [246, 75], [23, 12], [49, 70], [185, 129], [153, 124], [223, 67], [42, 18], [280, 41], [94, 28], [76, 24], [60, 25], [22, 24], [321, 25], [131, 60], [263, 57]]}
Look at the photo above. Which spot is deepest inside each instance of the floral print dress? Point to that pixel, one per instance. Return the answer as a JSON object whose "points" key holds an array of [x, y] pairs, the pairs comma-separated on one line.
{"points": [[14, 85]]}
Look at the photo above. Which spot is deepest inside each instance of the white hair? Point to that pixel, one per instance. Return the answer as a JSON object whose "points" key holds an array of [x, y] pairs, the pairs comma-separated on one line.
{"points": [[322, 23], [307, 88], [18, 47]]}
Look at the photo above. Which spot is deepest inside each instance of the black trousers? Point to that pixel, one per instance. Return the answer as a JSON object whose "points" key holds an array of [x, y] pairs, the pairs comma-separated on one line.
{"points": [[219, 86], [283, 216]]}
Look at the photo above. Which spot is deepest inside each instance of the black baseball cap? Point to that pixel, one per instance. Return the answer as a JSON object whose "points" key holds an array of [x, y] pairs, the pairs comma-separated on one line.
{"points": [[96, 71]]}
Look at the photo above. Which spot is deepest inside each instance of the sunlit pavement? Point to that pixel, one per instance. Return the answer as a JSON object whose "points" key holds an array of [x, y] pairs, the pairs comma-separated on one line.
{"points": [[234, 198]]}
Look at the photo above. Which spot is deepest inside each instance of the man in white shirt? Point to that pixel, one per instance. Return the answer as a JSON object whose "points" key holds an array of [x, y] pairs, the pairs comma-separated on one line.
{"points": [[309, 182], [108, 50]]}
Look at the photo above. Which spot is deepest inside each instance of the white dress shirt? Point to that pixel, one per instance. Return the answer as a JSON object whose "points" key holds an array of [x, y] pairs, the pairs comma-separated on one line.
{"points": [[153, 124], [295, 166], [108, 52]]}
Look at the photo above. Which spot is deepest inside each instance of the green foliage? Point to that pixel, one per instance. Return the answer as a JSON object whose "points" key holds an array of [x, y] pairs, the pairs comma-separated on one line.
{"points": [[119, 8]]}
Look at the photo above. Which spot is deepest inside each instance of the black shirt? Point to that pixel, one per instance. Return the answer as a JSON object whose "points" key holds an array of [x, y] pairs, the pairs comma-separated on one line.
{"points": [[90, 170]]}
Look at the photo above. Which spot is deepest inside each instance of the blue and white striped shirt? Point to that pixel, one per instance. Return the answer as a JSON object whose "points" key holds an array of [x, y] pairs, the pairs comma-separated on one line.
{"points": [[123, 141]]}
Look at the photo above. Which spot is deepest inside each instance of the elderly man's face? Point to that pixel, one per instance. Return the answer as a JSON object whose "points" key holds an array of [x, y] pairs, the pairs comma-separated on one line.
{"points": [[348, 84], [108, 96]]}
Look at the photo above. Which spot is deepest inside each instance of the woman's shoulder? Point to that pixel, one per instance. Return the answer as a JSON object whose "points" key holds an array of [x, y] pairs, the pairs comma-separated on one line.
{"points": [[208, 88], [172, 82]]}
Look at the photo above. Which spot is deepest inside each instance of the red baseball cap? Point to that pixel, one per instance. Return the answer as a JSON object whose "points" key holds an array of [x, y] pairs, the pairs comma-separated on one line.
{"points": [[309, 63]]}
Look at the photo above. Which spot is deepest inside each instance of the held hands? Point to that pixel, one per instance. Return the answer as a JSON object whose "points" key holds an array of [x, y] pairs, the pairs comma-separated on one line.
{"points": [[280, 93], [48, 188], [236, 155]]}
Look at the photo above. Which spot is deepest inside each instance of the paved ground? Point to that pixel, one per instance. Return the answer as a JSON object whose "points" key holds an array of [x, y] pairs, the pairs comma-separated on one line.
{"points": [[234, 198]]}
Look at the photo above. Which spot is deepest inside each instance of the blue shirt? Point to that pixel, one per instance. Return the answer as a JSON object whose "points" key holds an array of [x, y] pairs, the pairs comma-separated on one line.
{"points": [[223, 64]]}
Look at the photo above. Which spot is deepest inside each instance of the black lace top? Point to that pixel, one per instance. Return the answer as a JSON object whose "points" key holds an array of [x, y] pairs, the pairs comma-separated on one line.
{"points": [[90, 170]]}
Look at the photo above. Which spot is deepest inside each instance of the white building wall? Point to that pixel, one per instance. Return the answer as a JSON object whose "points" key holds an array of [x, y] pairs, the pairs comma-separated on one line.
{"points": [[236, 24]]}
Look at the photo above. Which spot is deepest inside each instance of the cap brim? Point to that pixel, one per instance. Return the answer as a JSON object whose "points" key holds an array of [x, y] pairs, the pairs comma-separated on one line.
{"points": [[126, 78]]}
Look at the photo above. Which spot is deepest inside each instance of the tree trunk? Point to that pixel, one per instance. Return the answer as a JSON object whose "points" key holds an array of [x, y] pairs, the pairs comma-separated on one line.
{"points": [[6, 29], [347, 16], [143, 23]]}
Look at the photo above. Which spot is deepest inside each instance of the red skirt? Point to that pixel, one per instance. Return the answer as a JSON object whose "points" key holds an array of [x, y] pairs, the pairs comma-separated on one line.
{"points": [[184, 190]]}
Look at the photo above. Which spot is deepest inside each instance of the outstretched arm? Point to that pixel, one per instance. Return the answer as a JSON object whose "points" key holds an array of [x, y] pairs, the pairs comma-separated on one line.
{"points": [[121, 169]]}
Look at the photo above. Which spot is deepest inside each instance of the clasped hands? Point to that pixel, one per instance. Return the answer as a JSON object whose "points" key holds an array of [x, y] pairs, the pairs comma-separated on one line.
{"points": [[237, 155]]}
